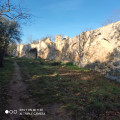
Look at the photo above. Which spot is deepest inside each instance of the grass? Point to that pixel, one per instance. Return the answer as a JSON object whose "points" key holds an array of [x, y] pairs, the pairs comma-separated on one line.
{"points": [[5, 76], [70, 65], [86, 95]]}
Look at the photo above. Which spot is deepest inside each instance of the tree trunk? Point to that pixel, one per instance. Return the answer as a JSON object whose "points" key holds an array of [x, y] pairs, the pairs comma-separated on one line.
{"points": [[1, 57], [2, 54]]}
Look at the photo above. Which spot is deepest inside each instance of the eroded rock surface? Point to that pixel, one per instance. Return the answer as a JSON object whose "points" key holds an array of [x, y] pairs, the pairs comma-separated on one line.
{"points": [[97, 49]]}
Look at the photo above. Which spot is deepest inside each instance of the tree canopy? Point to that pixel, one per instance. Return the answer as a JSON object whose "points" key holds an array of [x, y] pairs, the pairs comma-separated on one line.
{"points": [[9, 33], [10, 14]]}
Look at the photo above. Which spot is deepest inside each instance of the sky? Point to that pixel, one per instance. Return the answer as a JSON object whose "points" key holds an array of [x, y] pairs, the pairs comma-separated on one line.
{"points": [[65, 17]]}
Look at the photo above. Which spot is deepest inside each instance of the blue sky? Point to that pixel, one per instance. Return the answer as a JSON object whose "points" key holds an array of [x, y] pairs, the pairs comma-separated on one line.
{"points": [[66, 17]]}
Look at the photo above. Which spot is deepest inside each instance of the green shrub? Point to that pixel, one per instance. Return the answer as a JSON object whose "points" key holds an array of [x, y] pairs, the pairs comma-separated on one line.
{"points": [[69, 63], [55, 63]]}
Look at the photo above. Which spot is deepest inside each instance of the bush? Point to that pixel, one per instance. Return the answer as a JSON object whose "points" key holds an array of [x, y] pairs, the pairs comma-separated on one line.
{"points": [[69, 63], [55, 63]]}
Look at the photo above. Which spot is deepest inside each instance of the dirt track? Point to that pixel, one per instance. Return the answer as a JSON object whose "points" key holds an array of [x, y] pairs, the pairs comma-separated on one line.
{"points": [[17, 89]]}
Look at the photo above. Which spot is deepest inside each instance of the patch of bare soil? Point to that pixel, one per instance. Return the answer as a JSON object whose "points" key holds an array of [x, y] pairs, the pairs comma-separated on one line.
{"points": [[75, 74], [54, 112], [20, 99], [16, 90]]}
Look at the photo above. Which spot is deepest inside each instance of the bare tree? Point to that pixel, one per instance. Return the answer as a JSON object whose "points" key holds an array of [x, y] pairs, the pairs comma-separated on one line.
{"points": [[113, 18], [11, 48], [52, 38], [13, 11]]}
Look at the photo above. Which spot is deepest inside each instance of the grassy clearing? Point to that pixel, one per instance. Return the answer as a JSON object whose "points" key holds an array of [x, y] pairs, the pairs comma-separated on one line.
{"points": [[5, 76], [73, 67], [85, 94]]}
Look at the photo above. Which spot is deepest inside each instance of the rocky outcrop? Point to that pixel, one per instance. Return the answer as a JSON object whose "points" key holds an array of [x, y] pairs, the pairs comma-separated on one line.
{"points": [[98, 50]]}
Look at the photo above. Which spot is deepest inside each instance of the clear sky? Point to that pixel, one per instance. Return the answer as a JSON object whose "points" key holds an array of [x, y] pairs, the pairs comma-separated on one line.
{"points": [[66, 17]]}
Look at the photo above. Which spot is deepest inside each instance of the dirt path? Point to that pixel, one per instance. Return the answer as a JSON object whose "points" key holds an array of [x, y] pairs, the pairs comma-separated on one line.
{"points": [[17, 90]]}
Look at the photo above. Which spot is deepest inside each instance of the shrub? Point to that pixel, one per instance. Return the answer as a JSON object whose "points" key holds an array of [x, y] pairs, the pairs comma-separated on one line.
{"points": [[55, 63]]}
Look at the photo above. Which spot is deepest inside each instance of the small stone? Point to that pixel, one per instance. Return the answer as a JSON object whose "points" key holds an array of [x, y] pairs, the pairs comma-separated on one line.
{"points": [[116, 63]]}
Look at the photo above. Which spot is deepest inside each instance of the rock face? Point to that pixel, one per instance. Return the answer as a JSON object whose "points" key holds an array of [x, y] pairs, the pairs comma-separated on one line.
{"points": [[98, 50]]}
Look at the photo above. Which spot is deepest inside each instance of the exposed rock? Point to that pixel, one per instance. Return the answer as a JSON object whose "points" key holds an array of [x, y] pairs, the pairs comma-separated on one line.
{"points": [[116, 63], [97, 49]]}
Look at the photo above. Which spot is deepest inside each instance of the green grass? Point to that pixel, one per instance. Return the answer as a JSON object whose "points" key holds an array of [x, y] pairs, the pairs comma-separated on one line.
{"points": [[70, 65], [93, 97], [5, 76]]}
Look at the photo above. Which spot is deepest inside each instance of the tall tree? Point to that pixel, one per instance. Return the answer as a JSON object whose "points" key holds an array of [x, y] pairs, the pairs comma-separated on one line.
{"points": [[9, 32], [12, 49], [9, 29]]}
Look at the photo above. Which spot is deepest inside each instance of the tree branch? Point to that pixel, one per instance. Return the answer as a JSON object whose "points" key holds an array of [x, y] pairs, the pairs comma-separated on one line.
{"points": [[8, 10], [13, 12]]}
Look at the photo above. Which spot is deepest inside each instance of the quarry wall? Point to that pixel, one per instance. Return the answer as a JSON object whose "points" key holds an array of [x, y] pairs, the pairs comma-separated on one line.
{"points": [[98, 50]]}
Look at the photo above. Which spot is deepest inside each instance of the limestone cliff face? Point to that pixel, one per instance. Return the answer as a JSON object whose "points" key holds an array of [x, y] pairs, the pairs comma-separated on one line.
{"points": [[97, 49], [101, 43]]}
